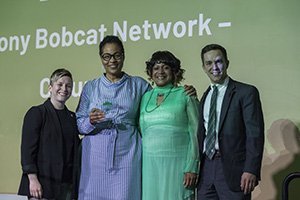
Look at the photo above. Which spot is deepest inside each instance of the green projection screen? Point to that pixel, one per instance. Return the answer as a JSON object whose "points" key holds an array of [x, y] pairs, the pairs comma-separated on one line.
{"points": [[261, 38]]}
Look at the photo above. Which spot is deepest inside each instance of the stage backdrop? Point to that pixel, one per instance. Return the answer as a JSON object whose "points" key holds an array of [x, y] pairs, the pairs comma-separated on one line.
{"points": [[262, 39]]}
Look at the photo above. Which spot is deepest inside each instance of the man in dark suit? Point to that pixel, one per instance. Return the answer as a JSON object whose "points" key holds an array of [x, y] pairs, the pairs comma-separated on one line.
{"points": [[231, 132]]}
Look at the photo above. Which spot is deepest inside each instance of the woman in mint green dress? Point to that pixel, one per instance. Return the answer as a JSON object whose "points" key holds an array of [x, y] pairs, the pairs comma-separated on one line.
{"points": [[168, 122]]}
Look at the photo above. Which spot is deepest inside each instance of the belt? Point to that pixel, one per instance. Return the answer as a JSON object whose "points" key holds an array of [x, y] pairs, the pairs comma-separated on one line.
{"points": [[107, 124], [216, 155]]}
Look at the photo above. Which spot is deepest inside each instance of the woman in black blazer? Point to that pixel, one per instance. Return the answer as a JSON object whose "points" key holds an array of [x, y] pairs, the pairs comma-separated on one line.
{"points": [[49, 145]]}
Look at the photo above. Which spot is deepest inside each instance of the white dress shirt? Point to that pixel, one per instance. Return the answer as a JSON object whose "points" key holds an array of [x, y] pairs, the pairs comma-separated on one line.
{"points": [[221, 92]]}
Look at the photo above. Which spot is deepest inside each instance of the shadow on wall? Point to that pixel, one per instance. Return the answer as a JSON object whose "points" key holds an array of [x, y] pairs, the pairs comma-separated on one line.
{"points": [[284, 137]]}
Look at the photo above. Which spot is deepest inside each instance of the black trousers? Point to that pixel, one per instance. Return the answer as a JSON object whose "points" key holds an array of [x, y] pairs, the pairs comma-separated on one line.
{"points": [[212, 184]]}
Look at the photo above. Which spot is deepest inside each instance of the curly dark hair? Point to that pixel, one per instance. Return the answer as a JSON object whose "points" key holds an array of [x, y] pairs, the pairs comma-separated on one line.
{"points": [[169, 59]]}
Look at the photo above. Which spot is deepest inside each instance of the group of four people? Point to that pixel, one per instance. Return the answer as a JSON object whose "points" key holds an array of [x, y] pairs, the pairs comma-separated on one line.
{"points": [[142, 142]]}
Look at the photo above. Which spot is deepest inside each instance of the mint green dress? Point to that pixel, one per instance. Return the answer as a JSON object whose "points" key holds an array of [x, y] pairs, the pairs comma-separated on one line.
{"points": [[169, 141]]}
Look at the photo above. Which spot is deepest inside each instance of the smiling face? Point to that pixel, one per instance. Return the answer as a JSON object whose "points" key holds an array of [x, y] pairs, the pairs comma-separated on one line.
{"points": [[112, 59], [60, 91], [162, 74], [215, 66]]}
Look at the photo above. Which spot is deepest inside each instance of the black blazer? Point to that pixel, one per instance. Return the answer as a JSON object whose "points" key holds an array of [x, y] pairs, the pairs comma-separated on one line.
{"points": [[241, 132], [42, 149]]}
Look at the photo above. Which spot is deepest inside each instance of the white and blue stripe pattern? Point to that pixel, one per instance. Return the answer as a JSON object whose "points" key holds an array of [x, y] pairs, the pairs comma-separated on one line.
{"points": [[111, 159]]}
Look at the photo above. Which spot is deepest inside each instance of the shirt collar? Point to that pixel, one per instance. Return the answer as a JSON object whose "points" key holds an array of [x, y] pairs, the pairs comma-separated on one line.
{"points": [[224, 84]]}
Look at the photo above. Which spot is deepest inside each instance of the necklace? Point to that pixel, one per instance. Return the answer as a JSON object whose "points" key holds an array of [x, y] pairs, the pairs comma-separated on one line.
{"points": [[157, 104]]}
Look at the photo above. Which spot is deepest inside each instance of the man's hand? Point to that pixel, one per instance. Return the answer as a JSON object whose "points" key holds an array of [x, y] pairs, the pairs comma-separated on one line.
{"points": [[248, 182], [190, 90]]}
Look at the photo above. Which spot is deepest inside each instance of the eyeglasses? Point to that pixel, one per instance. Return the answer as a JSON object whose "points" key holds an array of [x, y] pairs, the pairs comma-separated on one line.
{"points": [[116, 56]]}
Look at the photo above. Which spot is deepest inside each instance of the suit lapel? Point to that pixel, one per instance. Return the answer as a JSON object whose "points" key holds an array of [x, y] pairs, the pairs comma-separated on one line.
{"points": [[226, 102], [202, 101], [72, 120], [54, 117]]}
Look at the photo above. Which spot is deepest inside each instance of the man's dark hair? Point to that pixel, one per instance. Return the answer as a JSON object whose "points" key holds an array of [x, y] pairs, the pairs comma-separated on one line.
{"points": [[210, 47]]}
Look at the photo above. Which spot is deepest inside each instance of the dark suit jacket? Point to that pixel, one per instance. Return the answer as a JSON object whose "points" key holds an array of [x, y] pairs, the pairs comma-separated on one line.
{"points": [[241, 132], [42, 149]]}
